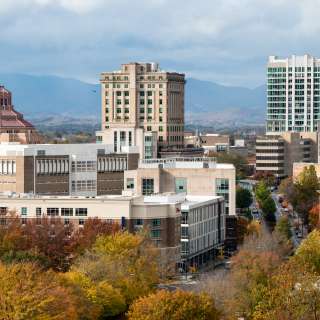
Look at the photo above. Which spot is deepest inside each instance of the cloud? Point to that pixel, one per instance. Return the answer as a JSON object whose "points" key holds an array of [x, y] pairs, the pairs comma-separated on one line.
{"points": [[227, 41]]}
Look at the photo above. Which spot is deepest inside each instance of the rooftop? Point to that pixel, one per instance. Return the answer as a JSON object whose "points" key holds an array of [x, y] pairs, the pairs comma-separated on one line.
{"points": [[184, 163]]}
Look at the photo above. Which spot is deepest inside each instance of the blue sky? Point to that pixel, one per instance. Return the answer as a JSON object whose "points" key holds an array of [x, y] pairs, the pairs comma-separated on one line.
{"points": [[226, 41]]}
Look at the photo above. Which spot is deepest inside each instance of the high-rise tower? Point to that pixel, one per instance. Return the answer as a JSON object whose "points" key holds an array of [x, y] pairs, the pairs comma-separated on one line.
{"points": [[293, 94]]}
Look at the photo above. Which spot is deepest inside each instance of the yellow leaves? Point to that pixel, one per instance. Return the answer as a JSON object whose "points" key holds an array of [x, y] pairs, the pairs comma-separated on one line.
{"points": [[27, 292], [178, 305], [308, 252]]}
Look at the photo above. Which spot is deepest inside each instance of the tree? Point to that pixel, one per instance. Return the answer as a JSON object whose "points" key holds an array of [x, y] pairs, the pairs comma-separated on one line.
{"points": [[26, 292], [127, 262], [262, 192], [314, 216], [308, 253], [269, 208], [94, 300], [239, 162], [178, 305], [305, 193], [243, 198], [85, 237], [284, 228], [266, 176]]}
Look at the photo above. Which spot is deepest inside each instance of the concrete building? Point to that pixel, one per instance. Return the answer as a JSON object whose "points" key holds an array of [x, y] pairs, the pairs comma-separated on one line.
{"points": [[13, 127], [277, 153], [63, 169], [298, 168], [203, 221], [203, 229], [193, 176], [209, 142], [142, 96], [293, 94]]}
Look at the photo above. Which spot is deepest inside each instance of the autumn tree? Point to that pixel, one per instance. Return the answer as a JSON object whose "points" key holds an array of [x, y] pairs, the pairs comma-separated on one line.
{"points": [[84, 237], [305, 194], [178, 305], [127, 262], [94, 300], [26, 292], [314, 216], [308, 253]]}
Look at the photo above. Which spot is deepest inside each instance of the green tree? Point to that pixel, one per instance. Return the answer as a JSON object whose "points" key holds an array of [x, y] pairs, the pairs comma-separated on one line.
{"points": [[243, 198], [239, 162], [284, 228], [269, 208], [178, 305], [262, 192]]}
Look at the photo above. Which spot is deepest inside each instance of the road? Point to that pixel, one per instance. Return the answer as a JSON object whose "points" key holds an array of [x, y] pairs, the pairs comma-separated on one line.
{"points": [[295, 240]]}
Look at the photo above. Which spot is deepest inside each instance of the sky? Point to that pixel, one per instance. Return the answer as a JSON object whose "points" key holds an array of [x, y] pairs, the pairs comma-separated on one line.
{"points": [[226, 41]]}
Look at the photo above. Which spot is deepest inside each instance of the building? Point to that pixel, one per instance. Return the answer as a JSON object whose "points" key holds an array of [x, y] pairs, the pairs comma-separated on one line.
{"points": [[293, 94], [298, 168], [140, 99], [277, 153], [13, 127], [63, 169], [209, 142], [203, 229], [193, 176], [203, 221]]}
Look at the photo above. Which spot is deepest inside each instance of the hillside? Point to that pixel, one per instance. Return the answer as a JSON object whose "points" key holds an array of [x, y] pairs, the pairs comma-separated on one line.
{"points": [[205, 102]]}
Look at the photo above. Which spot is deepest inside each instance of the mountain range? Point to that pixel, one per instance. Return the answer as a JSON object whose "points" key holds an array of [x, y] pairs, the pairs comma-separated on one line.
{"points": [[52, 97]]}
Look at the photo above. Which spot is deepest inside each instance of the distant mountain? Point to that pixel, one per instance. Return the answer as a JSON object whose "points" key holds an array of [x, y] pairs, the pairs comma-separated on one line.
{"points": [[208, 102], [43, 95], [205, 101]]}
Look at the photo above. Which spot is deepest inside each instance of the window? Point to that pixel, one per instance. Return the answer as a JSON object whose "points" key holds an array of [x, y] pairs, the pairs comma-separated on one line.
{"points": [[81, 222], [52, 212], [66, 222], [160, 129], [149, 101], [184, 217], [38, 212], [138, 222], [126, 93], [149, 93], [184, 232], [160, 101], [66, 212], [141, 93], [160, 138], [3, 210], [130, 183], [147, 186], [181, 185], [149, 128], [155, 234], [81, 212], [126, 101], [24, 211], [156, 222]]}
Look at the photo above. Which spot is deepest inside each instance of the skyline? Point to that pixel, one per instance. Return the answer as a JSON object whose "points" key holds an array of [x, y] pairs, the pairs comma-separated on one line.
{"points": [[222, 41]]}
